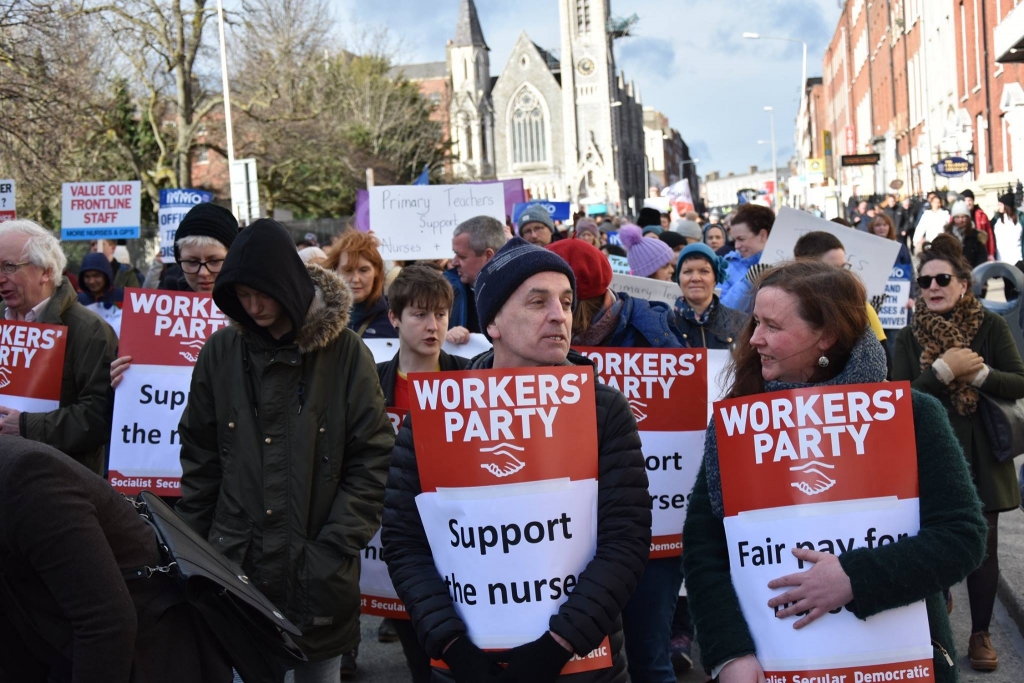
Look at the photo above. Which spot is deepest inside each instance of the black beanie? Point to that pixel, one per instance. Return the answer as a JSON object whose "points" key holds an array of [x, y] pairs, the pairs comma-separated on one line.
{"points": [[264, 258], [1009, 200], [514, 264], [209, 220], [649, 216]]}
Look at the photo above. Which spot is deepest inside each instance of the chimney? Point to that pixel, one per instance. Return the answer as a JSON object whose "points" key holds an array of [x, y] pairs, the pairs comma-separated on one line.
{"points": [[753, 170]]}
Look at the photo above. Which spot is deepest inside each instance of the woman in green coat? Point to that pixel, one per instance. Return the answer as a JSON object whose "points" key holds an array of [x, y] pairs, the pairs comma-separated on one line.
{"points": [[953, 350]]}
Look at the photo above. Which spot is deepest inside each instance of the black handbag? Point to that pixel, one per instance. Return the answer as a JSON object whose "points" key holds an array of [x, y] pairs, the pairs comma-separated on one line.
{"points": [[256, 635], [1004, 423]]}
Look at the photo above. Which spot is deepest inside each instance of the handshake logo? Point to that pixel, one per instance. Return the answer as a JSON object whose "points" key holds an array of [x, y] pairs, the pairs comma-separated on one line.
{"points": [[813, 479], [503, 460]]}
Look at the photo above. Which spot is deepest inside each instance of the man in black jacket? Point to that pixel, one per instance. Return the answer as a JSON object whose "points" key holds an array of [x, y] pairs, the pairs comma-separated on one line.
{"points": [[525, 297]]}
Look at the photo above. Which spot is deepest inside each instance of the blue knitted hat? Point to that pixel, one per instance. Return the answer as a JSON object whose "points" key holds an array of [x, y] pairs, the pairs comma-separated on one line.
{"points": [[513, 265], [701, 250]]}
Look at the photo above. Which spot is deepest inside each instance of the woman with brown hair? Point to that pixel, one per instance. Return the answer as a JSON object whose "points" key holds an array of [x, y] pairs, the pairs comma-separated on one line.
{"points": [[953, 349], [810, 329], [355, 256], [883, 226]]}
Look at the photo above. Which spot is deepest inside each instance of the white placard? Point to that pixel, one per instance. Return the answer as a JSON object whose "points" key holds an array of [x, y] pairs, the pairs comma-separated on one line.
{"points": [[106, 210], [417, 221], [870, 257], [384, 350], [646, 288], [620, 264], [8, 212]]}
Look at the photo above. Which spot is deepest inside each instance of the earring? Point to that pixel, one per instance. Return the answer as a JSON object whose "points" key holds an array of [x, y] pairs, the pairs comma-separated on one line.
{"points": [[823, 361]]}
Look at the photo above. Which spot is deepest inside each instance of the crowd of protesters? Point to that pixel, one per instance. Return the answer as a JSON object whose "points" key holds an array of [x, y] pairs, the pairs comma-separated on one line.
{"points": [[290, 463]]}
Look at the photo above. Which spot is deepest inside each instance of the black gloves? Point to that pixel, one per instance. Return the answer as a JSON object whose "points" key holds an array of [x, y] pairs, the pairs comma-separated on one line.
{"points": [[469, 664], [538, 662]]}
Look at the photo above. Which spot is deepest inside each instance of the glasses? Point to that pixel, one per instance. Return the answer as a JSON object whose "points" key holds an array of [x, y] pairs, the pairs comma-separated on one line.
{"points": [[9, 268], [925, 281], [193, 267]]}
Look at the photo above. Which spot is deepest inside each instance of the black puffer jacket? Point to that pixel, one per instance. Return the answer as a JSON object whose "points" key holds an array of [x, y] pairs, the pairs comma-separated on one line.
{"points": [[623, 532]]}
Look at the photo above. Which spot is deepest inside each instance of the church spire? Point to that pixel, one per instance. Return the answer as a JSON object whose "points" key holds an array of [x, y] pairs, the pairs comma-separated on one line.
{"points": [[467, 30]]}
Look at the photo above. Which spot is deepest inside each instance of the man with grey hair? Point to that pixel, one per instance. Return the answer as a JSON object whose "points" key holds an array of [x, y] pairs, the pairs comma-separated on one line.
{"points": [[475, 242], [34, 290]]}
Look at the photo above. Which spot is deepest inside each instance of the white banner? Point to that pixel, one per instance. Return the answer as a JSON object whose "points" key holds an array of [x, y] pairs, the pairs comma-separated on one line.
{"points": [[106, 210], [418, 221], [646, 288]]}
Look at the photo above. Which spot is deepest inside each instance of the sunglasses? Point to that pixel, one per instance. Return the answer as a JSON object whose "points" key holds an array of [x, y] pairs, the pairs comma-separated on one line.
{"points": [[925, 281]]}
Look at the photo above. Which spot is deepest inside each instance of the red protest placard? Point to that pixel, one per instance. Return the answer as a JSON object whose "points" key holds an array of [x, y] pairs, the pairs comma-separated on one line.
{"points": [[499, 426], [167, 328], [666, 388], [816, 445], [31, 362]]}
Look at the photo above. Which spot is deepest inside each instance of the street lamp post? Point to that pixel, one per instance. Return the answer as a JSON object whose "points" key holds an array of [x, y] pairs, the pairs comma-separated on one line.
{"points": [[227, 103], [775, 161]]}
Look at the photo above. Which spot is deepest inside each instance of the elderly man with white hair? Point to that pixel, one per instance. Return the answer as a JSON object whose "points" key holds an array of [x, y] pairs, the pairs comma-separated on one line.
{"points": [[34, 290]]}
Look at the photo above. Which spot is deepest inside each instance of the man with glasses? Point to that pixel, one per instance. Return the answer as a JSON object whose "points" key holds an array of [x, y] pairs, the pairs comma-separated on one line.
{"points": [[200, 246], [34, 290]]}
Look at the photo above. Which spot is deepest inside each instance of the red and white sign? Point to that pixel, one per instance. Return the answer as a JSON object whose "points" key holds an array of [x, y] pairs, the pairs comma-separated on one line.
{"points": [[8, 212], [668, 392], [163, 332], [508, 467], [31, 365], [829, 469], [104, 210], [378, 594]]}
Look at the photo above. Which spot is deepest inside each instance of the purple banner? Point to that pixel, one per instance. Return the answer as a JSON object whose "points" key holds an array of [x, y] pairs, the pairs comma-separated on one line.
{"points": [[362, 218], [514, 193]]}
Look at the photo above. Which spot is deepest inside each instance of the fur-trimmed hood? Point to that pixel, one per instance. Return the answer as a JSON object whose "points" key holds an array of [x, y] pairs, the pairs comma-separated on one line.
{"points": [[327, 315]]}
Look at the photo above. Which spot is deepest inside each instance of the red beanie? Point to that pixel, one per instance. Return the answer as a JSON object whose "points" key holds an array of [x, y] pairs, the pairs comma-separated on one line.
{"points": [[591, 267]]}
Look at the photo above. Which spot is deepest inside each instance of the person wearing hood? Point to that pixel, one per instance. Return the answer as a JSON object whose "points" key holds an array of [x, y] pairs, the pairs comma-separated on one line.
{"points": [[124, 275], [650, 258], [98, 292], [285, 441], [201, 244], [703, 321], [750, 228], [526, 297], [356, 258], [715, 237]]}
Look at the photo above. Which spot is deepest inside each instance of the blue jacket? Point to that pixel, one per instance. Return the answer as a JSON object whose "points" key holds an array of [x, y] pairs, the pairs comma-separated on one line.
{"points": [[111, 295], [736, 288], [644, 324], [375, 320], [459, 315]]}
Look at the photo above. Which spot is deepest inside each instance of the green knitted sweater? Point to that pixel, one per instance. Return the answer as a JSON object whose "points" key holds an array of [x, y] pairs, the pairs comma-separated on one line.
{"points": [[950, 545]]}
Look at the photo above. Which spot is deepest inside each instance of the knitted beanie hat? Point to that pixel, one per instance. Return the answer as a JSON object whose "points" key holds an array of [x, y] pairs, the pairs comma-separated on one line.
{"points": [[959, 209], [209, 220], [591, 267], [649, 216], [535, 214], [687, 228], [645, 255], [701, 250], [514, 264], [587, 225]]}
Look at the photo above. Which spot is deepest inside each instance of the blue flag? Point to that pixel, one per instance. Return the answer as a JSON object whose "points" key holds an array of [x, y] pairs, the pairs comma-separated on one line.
{"points": [[424, 178]]}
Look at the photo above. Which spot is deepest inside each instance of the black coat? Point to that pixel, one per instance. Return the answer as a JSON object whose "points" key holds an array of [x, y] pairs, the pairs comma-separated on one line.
{"points": [[721, 331], [594, 607], [65, 610], [974, 248], [387, 373]]}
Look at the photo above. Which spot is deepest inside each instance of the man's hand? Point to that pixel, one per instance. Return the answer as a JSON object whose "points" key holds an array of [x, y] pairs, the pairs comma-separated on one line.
{"points": [[9, 422], [817, 591], [457, 335]]}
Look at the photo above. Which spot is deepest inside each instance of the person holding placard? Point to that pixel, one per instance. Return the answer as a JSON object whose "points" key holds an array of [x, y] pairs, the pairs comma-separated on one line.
{"points": [[285, 441], [33, 290], [703, 321], [474, 243], [955, 349], [357, 259], [526, 297], [750, 227], [809, 329]]}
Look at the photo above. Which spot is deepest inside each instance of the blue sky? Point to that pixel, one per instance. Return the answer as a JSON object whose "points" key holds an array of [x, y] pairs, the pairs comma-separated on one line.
{"points": [[687, 57]]}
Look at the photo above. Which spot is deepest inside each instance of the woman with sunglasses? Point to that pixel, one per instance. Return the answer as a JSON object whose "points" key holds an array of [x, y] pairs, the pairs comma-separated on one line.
{"points": [[953, 349]]}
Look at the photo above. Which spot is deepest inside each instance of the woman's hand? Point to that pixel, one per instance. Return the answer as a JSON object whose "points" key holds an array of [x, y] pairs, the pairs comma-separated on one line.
{"points": [[743, 670], [963, 363], [117, 369], [817, 591]]}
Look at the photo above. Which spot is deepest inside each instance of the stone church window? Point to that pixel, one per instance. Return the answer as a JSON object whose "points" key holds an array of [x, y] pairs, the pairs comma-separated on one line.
{"points": [[582, 16], [529, 142]]}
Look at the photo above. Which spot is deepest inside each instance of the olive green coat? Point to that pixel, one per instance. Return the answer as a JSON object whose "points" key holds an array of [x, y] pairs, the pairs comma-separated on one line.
{"points": [[80, 427], [294, 494], [996, 481]]}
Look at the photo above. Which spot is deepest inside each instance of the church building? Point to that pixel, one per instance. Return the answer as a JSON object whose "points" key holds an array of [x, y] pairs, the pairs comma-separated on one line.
{"points": [[568, 124]]}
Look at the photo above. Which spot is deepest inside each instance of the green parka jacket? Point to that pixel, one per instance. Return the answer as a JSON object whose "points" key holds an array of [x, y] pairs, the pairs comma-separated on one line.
{"points": [[80, 427], [295, 493]]}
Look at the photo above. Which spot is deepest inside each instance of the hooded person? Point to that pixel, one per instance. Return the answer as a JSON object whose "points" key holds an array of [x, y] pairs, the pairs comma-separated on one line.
{"points": [[650, 258], [98, 292], [525, 298], [282, 469]]}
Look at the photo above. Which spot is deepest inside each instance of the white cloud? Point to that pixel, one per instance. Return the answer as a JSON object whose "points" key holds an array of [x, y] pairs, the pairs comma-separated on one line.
{"points": [[687, 58]]}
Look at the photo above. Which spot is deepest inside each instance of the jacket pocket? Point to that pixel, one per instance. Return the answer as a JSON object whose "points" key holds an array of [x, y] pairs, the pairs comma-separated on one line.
{"points": [[330, 583], [328, 459], [231, 535], [226, 438]]}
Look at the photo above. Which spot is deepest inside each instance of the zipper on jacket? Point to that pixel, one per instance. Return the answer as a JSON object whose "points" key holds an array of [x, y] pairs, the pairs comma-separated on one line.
{"points": [[936, 644], [703, 337], [301, 391]]}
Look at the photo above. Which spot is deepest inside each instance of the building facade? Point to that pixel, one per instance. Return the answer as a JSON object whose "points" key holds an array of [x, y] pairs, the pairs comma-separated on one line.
{"points": [[668, 156], [570, 126]]}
